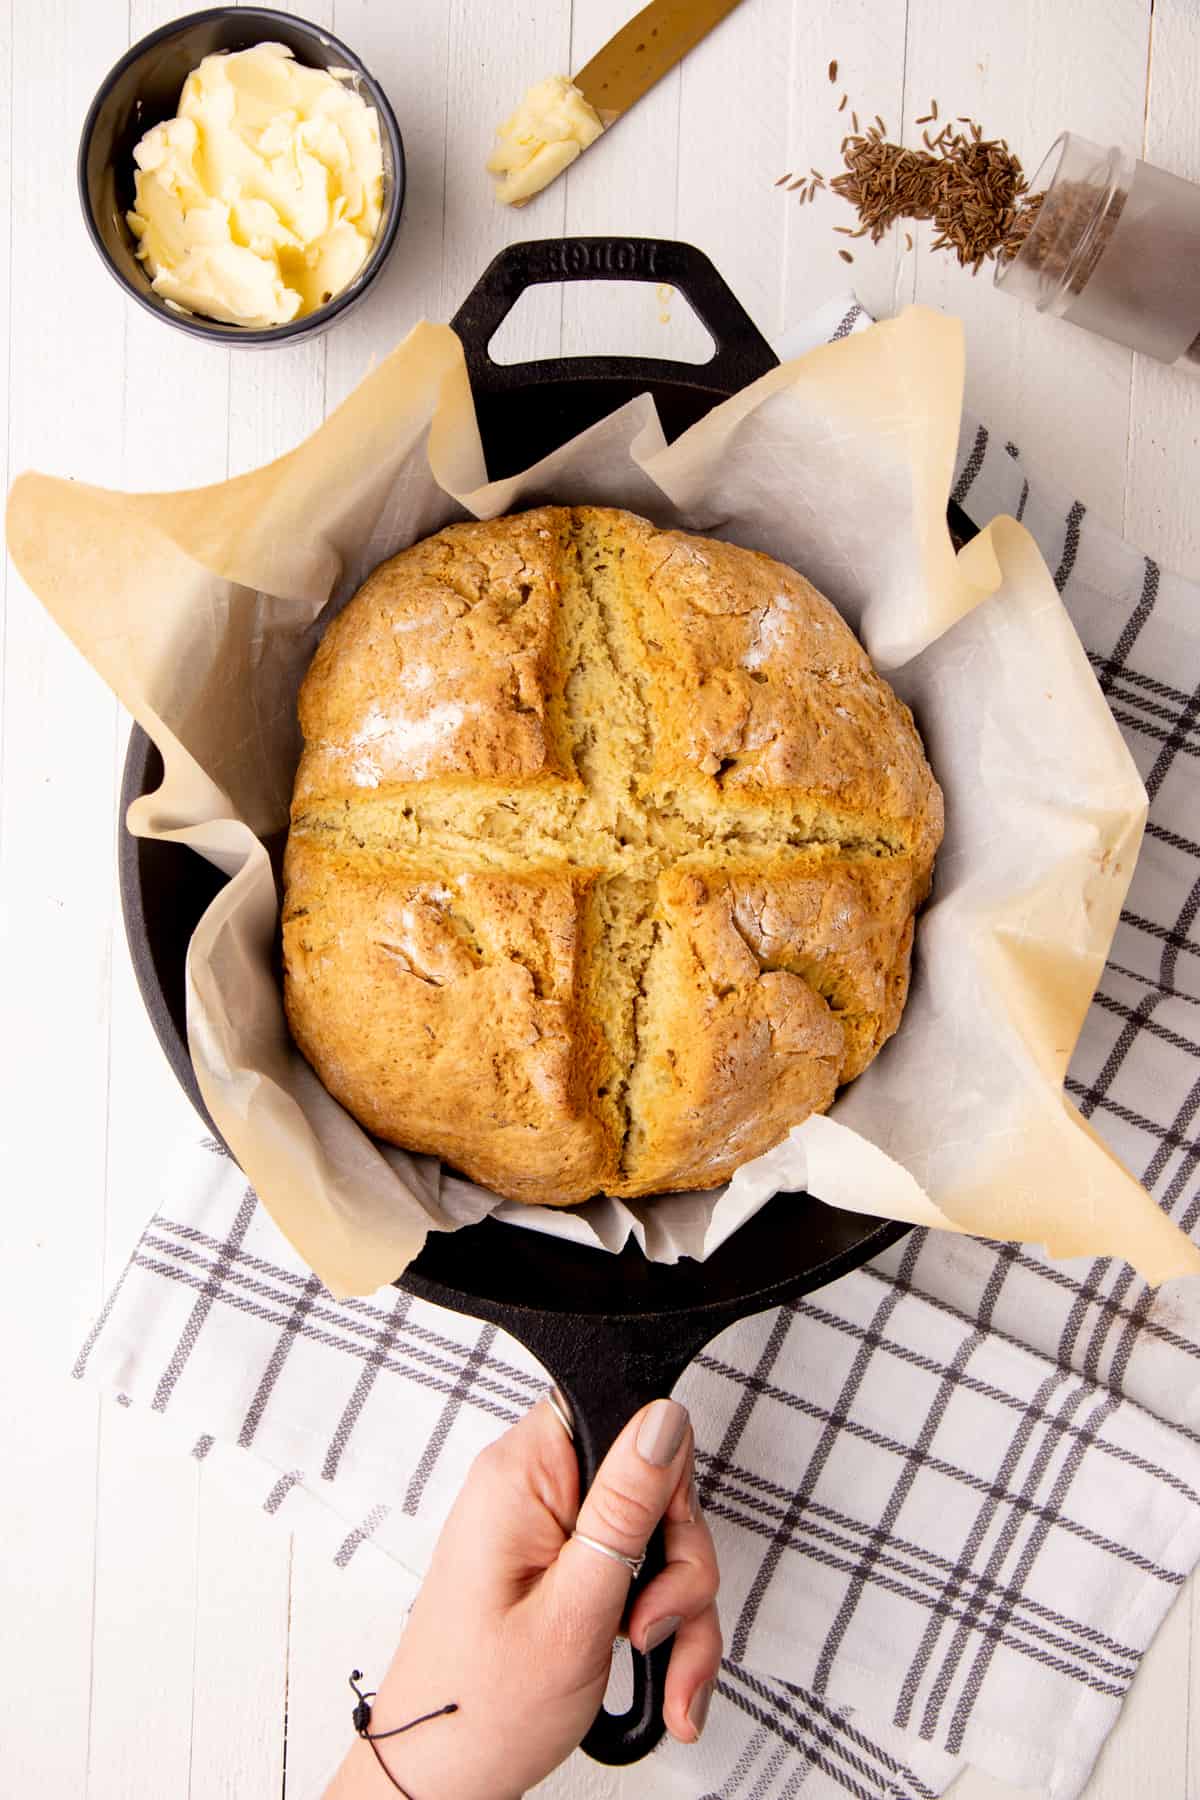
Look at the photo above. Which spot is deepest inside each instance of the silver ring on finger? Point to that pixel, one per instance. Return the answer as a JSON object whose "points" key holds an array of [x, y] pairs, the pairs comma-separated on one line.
{"points": [[554, 1401], [632, 1563]]}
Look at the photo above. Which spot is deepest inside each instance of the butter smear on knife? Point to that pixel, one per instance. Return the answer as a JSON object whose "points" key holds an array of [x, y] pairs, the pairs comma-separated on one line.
{"points": [[546, 133]]}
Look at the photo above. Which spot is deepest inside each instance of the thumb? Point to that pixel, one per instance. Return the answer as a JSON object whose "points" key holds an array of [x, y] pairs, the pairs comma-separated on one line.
{"points": [[629, 1496]]}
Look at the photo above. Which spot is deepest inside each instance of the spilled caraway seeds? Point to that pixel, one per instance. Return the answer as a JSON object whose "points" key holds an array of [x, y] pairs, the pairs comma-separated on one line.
{"points": [[971, 188]]}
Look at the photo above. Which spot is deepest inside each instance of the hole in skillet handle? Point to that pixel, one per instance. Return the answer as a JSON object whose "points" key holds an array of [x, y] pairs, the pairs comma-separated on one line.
{"points": [[563, 395], [609, 317]]}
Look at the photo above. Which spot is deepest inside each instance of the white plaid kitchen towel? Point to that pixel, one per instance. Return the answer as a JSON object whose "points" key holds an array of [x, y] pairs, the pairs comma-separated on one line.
{"points": [[953, 1494]]}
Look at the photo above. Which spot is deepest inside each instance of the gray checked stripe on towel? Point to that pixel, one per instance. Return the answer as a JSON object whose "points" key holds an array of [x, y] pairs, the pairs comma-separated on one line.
{"points": [[955, 1493]]}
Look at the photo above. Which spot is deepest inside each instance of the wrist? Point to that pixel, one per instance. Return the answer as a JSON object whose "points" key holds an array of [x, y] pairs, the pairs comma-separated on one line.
{"points": [[447, 1756], [449, 1772]]}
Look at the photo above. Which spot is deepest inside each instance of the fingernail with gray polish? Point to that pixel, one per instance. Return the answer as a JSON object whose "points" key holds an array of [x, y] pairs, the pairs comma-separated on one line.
{"points": [[660, 1631], [661, 1432], [698, 1710]]}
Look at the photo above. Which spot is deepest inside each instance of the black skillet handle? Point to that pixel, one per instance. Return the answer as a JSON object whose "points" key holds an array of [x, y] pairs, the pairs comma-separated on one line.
{"points": [[619, 1738], [741, 355], [607, 1370]]}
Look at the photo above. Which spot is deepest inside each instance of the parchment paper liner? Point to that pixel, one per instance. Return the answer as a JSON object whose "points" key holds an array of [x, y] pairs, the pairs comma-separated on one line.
{"points": [[200, 610]]}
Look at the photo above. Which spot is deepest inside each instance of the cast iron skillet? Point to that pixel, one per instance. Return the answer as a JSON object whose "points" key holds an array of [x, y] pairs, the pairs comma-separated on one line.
{"points": [[612, 1331]]}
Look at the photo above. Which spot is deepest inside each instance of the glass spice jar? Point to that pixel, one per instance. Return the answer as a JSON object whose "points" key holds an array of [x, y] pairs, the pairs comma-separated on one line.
{"points": [[1115, 247]]}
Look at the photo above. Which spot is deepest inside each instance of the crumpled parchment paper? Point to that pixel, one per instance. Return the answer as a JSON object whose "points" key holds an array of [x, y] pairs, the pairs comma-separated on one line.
{"points": [[202, 609]]}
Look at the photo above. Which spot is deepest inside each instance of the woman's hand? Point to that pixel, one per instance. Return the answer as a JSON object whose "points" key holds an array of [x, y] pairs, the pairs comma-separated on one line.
{"points": [[516, 1618]]}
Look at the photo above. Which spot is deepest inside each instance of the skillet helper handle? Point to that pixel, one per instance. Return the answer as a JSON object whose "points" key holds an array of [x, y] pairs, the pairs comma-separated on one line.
{"points": [[608, 1369], [741, 355]]}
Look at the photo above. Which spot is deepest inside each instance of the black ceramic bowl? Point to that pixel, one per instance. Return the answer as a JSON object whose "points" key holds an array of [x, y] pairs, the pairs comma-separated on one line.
{"points": [[144, 88]]}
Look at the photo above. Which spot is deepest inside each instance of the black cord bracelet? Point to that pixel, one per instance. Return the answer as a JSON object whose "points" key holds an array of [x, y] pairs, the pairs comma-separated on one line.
{"points": [[361, 1717]]}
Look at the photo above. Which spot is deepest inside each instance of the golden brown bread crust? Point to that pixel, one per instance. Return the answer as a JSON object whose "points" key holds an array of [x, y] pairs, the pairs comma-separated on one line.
{"points": [[441, 665], [606, 845], [447, 1003]]}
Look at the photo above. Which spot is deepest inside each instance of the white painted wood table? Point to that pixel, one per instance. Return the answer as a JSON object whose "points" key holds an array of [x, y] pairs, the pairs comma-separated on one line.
{"points": [[160, 1638]]}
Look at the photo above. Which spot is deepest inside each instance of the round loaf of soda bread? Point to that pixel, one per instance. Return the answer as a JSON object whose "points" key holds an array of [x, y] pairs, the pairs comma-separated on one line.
{"points": [[605, 850]]}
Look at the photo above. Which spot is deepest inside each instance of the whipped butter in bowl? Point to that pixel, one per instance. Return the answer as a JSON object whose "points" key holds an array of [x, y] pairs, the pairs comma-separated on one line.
{"points": [[261, 199], [242, 175]]}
